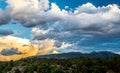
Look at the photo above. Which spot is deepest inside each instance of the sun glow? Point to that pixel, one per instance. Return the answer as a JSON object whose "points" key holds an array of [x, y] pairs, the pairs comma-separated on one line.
{"points": [[23, 46]]}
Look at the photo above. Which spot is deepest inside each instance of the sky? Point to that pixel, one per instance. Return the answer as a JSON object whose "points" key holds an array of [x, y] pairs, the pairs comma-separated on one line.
{"points": [[38, 27]]}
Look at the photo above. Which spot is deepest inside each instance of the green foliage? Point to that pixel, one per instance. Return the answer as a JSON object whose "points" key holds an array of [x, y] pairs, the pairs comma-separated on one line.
{"points": [[17, 71], [72, 65]]}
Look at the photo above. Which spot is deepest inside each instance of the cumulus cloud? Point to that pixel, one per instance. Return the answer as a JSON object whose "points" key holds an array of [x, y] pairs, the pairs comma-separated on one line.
{"points": [[86, 26], [45, 46], [4, 17], [15, 48], [10, 51], [28, 12]]}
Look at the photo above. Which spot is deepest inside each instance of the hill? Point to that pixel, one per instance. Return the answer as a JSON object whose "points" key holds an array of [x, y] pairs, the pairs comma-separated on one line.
{"points": [[102, 54]]}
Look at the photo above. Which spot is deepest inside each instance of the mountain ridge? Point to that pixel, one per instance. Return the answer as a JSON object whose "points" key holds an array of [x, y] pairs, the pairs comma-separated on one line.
{"points": [[101, 54]]}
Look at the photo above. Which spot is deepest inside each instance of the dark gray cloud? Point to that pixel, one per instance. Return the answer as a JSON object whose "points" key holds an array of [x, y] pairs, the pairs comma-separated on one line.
{"points": [[10, 51], [4, 17]]}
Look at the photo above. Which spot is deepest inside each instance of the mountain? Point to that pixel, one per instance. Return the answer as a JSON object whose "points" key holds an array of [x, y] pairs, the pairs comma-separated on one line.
{"points": [[102, 54]]}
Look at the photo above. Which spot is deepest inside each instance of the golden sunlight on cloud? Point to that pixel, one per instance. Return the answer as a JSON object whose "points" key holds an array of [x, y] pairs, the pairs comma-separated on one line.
{"points": [[45, 46], [55, 52], [24, 47]]}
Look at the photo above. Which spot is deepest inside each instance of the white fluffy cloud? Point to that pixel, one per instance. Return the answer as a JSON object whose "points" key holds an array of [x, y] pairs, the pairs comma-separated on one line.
{"points": [[28, 12], [87, 23]]}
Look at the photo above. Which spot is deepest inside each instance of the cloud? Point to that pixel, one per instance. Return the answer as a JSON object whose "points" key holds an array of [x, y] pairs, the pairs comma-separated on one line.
{"points": [[18, 32], [83, 28], [4, 17], [87, 26], [15, 48], [45, 46], [28, 12], [117, 52], [54, 52], [5, 32], [10, 51]]}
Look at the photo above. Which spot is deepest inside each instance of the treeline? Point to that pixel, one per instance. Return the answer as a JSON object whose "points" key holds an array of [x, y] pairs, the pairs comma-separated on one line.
{"points": [[73, 65]]}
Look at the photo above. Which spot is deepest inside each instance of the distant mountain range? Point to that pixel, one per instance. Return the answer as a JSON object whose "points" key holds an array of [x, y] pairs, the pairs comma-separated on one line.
{"points": [[102, 54]]}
